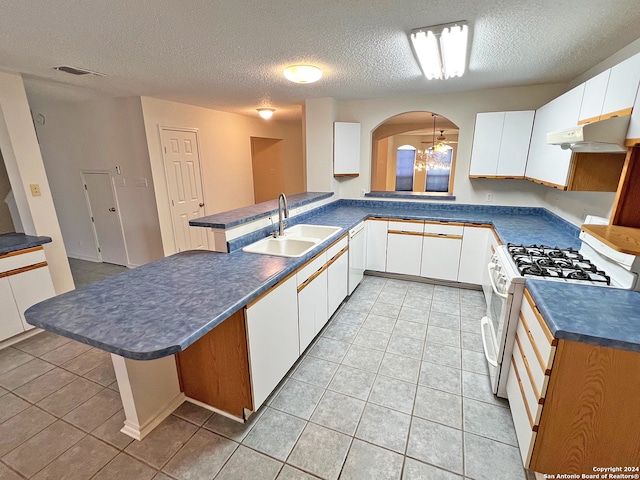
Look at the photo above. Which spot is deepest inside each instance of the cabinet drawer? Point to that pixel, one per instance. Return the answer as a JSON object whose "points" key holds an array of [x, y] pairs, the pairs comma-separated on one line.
{"points": [[526, 430], [537, 376], [539, 335], [530, 393], [455, 229], [406, 226], [312, 266], [16, 260], [334, 249]]}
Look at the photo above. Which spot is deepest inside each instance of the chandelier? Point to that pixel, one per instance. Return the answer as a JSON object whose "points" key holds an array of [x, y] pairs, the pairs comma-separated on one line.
{"points": [[436, 157]]}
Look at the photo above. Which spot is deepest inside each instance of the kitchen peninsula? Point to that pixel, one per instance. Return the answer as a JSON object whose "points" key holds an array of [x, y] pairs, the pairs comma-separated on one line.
{"points": [[146, 315]]}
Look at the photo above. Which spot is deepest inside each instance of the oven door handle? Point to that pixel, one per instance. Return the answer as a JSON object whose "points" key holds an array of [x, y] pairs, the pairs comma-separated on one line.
{"points": [[483, 324], [493, 283]]}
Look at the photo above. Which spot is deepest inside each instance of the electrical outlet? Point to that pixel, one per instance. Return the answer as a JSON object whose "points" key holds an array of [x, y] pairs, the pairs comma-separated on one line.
{"points": [[35, 190], [489, 197]]}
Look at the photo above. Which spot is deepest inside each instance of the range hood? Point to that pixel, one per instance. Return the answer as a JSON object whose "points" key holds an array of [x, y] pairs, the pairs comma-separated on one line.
{"points": [[605, 136]]}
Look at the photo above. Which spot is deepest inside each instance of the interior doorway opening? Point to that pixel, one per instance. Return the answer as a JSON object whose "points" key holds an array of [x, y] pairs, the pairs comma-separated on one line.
{"points": [[106, 222], [268, 168], [414, 152]]}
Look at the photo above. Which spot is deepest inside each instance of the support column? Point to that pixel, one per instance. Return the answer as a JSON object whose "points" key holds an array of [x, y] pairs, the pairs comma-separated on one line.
{"points": [[149, 390]]}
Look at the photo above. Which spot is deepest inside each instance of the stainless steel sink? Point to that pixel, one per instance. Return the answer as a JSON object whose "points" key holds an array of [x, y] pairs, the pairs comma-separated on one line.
{"points": [[318, 232], [295, 242], [281, 246]]}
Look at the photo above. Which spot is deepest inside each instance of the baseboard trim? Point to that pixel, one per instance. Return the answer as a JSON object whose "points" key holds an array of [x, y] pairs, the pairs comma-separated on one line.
{"points": [[79, 256], [138, 432], [214, 409], [19, 337]]}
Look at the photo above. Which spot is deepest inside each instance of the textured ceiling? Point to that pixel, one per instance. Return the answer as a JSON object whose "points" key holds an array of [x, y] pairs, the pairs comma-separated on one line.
{"points": [[229, 54]]}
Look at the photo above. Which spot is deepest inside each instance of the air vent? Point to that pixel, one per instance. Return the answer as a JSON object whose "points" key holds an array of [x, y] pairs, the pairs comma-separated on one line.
{"points": [[77, 71]]}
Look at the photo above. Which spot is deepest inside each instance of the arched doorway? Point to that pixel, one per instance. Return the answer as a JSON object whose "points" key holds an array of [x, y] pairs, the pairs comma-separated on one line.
{"points": [[414, 151]]}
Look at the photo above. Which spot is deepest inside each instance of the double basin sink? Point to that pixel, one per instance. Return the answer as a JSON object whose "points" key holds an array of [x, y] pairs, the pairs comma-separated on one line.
{"points": [[295, 242]]}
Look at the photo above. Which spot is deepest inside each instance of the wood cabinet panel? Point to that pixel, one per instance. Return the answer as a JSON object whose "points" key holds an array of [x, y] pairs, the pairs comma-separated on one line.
{"points": [[215, 369], [626, 208], [590, 415]]}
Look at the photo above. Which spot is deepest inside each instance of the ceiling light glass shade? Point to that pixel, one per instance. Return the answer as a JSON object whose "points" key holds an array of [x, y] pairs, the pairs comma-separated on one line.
{"points": [[266, 113], [441, 50], [453, 41], [426, 47], [302, 73]]}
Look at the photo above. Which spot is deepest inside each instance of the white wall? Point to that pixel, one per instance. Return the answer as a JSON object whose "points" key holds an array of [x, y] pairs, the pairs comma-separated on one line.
{"points": [[98, 135], [226, 155], [23, 160], [461, 109], [319, 116]]}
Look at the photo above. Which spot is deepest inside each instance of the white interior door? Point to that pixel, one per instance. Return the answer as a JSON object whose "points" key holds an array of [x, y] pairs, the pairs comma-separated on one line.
{"points": [[103, 209], [184, 180]]}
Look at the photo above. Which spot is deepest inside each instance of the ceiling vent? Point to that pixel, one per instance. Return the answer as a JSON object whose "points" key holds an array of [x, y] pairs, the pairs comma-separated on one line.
{"points": [[77, 71]]}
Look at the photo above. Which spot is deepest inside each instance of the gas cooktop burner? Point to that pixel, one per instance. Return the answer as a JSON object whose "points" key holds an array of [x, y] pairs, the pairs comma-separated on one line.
{"points": [[554, 262]]}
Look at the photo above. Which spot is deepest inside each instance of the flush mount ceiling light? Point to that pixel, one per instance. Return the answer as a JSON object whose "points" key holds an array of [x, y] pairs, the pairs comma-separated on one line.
{"points": [[302, 73], [266, 113], [442, 49]]}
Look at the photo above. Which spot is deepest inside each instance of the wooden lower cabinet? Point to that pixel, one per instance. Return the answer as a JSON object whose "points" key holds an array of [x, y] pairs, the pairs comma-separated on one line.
{"points": [[574, 405], [215, 369], [590, 417]]}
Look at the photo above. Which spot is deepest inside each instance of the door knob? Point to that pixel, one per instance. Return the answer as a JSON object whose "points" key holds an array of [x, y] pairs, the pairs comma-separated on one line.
{"points": [[112, 209], [201, 205]]}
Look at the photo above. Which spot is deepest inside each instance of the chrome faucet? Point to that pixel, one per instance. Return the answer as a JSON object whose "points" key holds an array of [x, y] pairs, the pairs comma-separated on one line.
{"points": [[283, 212]]}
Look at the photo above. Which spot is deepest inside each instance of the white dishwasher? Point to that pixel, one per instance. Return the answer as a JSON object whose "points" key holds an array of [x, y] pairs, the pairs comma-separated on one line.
{"points": [[357, 255]]}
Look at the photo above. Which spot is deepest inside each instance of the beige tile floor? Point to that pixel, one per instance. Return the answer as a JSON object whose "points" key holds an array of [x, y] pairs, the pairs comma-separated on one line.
{"points": [[394, 388]]}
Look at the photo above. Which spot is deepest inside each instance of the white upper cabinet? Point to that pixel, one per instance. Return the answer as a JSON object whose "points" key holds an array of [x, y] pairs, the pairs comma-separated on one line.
{"points": [[634, 123], [501, 144], [612, 92], [549, 164], [346, 149], [486, 144], [595, 90], [514, 147], [623, 86]]}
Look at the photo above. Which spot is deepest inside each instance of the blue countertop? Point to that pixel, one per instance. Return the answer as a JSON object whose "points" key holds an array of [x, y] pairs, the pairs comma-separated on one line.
{"points": [[259, 210], [163, 307], [12, 242], [601, 316]]}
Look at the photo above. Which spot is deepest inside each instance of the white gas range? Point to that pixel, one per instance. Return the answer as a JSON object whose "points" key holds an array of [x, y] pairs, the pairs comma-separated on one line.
{"points": [[594, 264]]}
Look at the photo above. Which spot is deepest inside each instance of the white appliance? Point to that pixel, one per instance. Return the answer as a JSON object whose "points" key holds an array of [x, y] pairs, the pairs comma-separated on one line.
{"points": [[605, 136], [357, 255], [594, 264]]}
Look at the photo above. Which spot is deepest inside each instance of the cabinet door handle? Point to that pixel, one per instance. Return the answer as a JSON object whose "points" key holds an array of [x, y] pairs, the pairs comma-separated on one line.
{"points": [[201, 204], [112, 209]]}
